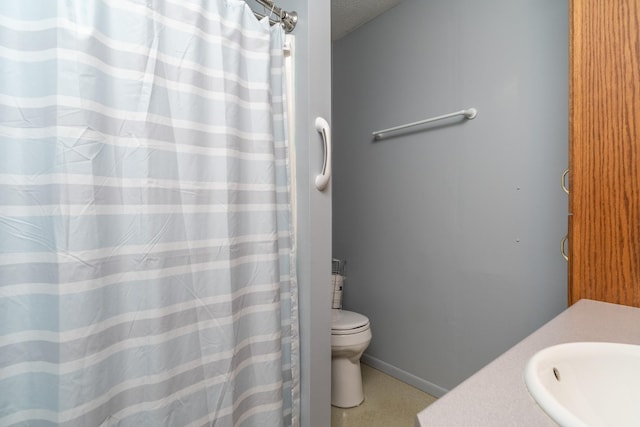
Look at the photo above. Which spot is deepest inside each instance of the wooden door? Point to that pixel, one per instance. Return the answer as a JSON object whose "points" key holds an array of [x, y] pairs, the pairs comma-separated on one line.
{"points": [[604, 153]]}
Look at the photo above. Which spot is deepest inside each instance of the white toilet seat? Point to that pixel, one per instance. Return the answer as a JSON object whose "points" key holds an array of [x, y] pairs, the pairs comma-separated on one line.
{"points": [[344, 322]]}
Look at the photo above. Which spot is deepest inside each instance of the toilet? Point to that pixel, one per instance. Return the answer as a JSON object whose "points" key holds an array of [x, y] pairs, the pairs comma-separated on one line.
{"points": [[350, 336]]}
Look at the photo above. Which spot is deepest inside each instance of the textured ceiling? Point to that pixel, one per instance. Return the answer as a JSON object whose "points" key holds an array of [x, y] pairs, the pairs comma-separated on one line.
{"points": [[347, 15]]}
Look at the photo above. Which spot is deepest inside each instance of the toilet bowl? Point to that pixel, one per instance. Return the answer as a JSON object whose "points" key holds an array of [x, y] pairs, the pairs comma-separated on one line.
{"points": [[350, 336]]}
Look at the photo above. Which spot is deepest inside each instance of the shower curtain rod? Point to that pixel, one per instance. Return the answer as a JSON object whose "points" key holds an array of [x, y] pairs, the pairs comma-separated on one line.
{"points": [[287, 19]]}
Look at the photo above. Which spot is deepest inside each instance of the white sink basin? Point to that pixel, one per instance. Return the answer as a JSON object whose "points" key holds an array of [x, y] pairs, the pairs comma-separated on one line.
{"points": [[587, 383]]}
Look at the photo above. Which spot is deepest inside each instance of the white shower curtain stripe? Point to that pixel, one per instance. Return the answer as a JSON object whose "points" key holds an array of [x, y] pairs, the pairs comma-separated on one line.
{"points": [[119, 348], [124, 319], [135, 210], [98, 66], [68, 135], [118, 15], [173, 66], [110, 243], [67, 27], [137, 143], [257, 361], [77, 368], [134, 145], [147, 272], [163, 17], [70, 105], [32, 182], [104, 348], [99, 282], [122, 71], [106, 253]]}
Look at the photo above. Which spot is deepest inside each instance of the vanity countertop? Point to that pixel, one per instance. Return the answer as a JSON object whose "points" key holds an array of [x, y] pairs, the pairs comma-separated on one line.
{"points": [[497, 395]]}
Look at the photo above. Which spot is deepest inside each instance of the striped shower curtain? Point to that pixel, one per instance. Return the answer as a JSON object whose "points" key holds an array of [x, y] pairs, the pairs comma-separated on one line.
{"points": [[146, 252]]}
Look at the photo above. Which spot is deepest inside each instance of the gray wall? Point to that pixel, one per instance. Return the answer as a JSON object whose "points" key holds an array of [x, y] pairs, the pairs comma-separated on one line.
{"points": [[452, 233]]}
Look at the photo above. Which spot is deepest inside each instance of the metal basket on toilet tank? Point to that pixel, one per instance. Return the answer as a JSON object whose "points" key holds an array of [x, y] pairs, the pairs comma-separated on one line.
{"points": [[338, 270]]}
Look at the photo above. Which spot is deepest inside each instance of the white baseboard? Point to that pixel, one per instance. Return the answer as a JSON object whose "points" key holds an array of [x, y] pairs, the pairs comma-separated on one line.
{"points": [[406, 377]]}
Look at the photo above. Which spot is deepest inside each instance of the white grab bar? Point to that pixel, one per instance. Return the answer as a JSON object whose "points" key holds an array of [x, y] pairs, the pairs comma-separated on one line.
{"points": [[322, 180], [469, 113]]}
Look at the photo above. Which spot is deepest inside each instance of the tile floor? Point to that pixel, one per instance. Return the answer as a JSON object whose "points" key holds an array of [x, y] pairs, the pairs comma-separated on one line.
{"points": [[387, 403]]}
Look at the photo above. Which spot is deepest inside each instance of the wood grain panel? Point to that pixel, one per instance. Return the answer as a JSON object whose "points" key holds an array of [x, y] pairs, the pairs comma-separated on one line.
{"points": [[604, 235]]}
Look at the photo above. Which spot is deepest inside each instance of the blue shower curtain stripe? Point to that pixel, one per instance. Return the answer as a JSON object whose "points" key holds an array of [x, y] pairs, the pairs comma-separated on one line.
{"points": [[123, 351], [194, 75], [100, 283], [49, 195], [123, 80], [87, 327], [132, 22], [147, 270], [132, 210], [77, 107], [79, 181], [157, 137], [107, 243], [130, 147], [179, 248]]}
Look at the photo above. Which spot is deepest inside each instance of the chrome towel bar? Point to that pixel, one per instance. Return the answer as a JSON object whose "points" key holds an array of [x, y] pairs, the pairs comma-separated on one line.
{"points": [[469, 113]]}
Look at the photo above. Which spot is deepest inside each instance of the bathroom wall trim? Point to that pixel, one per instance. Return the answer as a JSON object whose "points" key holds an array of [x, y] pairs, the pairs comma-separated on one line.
{"points": [[417, 382]]}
